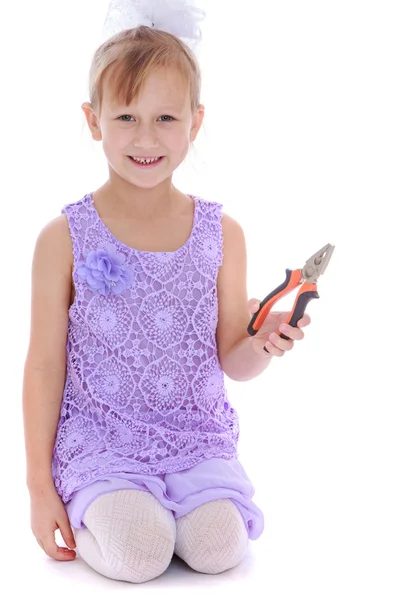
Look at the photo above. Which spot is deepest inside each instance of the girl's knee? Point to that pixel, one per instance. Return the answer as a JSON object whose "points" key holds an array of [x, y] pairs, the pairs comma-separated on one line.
{"points": [[129, 536], [212, 538]]}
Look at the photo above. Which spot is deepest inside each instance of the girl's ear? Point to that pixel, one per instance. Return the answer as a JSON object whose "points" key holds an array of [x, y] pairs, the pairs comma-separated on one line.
{"points": [[92, 121], [197, 122]]}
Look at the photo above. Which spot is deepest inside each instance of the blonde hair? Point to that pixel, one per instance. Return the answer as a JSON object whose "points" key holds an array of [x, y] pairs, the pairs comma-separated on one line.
{"points": [[130, 56]]}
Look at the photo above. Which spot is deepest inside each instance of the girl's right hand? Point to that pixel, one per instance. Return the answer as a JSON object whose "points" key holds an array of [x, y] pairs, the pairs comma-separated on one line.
{"points": [[47, 515]]}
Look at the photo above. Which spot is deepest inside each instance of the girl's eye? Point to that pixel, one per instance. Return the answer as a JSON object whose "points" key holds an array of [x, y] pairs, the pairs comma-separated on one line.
{"points": [[127, 118]]}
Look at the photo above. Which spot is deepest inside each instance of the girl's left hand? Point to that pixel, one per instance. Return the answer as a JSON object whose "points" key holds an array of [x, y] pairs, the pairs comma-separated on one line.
{"points": [[275, 323]]}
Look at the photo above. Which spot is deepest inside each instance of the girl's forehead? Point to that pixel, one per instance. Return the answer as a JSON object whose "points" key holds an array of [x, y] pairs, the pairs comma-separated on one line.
{"points": [[165, 87]]}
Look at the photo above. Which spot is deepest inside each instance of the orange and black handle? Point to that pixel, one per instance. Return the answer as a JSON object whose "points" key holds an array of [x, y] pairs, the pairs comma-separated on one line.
{"points": [[307, 292]]}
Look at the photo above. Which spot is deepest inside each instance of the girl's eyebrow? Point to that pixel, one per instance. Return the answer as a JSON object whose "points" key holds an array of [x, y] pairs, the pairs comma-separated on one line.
{"points": [[158, 108]]}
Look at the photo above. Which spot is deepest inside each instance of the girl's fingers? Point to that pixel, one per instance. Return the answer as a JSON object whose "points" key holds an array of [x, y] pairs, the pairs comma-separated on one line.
{"points": [[304, 321], [280, 343], [54, 551], [66, 532], [273, 350], [294, 333], [253, 305], [277, 346]]}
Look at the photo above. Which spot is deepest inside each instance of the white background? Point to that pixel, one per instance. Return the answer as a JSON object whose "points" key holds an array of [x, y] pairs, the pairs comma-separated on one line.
{"points": [[301, 144]]}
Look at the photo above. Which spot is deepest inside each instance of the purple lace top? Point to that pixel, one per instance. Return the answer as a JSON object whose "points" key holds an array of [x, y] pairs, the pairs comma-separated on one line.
{"points": [[144, 390]]}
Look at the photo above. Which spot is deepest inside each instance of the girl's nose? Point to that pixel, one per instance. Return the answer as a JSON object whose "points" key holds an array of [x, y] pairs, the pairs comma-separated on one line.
{"points": [[145, 137]]}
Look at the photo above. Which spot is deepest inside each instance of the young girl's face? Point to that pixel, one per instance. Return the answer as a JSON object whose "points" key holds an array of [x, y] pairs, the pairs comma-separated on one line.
{"points": [[158, 123]]}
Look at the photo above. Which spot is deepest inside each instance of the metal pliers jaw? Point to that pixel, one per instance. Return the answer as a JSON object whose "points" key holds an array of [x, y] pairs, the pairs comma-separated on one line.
{"points": [[306, 277], [316, 264]]}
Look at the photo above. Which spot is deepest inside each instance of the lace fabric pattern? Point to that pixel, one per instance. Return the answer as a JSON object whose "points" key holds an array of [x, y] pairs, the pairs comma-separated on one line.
{"points": [[144, 390]]}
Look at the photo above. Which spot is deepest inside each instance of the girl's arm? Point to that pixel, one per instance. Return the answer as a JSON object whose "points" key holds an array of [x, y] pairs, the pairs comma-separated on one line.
{"points": [[237, 355], [44, 372], [242, 356]]}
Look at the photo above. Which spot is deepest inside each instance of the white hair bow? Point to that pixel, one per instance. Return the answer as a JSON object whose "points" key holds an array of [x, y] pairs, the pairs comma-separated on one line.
{"points": [[174, 16]]}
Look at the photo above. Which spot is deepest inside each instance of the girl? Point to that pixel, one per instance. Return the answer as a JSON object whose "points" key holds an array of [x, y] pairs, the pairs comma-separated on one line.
{"points": [[139, 310]]}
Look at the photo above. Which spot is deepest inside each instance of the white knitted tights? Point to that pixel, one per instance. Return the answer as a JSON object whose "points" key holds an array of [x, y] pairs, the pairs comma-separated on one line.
{"points": [[212, 538], [130, 536]]}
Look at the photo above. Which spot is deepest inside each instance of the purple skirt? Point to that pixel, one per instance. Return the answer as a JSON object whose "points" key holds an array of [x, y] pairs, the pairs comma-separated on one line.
{"points": [[180, 492]]}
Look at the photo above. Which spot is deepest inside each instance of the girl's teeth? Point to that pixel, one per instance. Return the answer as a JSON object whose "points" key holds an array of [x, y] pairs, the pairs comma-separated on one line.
{"points": [[145, 161]]}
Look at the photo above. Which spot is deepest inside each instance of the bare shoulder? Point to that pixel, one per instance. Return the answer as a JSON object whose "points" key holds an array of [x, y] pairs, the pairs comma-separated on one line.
{"points": [[53, 255], [233, 315], [231, 229], [54, 242], [57, 227], [234, 245]]}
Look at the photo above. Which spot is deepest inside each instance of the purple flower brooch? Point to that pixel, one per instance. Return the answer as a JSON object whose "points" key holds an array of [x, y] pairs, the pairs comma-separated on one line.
{"points": [[105, 272]]}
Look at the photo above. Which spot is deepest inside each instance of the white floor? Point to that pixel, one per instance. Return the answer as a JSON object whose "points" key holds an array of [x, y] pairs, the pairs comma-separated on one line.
{"points": [[78, 580]]}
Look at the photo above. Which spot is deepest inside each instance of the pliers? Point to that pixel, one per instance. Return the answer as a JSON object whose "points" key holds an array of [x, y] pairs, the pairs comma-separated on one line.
{"points": [[306, 277]]}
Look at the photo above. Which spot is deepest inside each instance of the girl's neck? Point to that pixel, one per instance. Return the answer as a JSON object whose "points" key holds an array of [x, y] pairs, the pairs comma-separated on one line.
{"points": [[128, 201]]}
